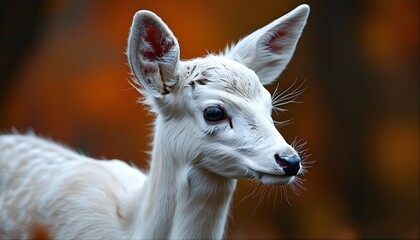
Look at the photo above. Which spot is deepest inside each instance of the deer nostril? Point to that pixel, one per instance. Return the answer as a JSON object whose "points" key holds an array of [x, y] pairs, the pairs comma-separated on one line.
{"points": [[281, 161], [290, 164]]}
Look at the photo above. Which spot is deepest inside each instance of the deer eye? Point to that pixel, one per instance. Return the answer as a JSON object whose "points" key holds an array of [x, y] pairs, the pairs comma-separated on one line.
{"points": [[214, 114]]}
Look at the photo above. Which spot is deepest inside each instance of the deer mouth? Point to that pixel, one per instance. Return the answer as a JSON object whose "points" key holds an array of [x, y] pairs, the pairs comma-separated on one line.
{"points": [[270, 179]]}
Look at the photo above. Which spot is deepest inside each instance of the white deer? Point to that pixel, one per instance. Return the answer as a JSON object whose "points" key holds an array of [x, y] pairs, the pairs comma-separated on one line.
{"points": [[213, 126]]}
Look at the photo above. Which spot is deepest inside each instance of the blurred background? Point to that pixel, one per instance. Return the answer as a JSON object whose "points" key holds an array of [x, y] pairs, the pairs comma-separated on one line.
{"points": [[63, 74]]}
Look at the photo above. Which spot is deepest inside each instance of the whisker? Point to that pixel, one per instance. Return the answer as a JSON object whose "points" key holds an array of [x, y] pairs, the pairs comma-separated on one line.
{"points": [[292, 186], [283, 123], [247, 195], [286, 196], [299, 183], [298, 144], [287, 96], [261, 194], [275, 196]]}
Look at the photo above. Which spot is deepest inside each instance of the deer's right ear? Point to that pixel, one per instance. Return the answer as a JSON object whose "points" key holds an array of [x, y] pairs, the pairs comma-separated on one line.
{"points": [[153, 54]]}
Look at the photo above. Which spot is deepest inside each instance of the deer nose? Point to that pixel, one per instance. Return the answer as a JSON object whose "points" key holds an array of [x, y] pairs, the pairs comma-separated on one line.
{"points": [[290, 164]]}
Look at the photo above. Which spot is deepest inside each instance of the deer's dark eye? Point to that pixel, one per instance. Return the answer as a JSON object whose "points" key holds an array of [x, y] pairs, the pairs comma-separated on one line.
{"points": [[214, 114]]}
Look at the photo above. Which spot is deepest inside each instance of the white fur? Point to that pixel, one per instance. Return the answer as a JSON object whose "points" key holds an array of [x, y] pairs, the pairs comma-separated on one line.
{"points": [[195, 162]]}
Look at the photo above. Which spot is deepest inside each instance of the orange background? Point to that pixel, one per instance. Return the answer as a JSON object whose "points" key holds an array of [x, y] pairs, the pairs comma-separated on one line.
{"points": [[64, 75]]}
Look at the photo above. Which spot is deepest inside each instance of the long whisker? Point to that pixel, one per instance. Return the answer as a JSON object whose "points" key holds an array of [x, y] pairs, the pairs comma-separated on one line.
{"points": [[289, 95], [299, 146], [286, 196], [251, 191], [283, 123], [275, 196]]}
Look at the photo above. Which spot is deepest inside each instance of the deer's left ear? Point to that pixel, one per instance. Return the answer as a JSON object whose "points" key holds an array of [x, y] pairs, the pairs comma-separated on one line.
{"points": [[268, 50], [153, 54]]}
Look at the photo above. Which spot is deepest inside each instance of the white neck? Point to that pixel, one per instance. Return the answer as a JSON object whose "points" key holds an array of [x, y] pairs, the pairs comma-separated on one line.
{"points": [[180, 200]]}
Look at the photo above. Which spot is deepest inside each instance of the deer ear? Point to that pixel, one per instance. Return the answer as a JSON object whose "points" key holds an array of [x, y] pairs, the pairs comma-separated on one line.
{"points": [[153, 54], [268, 50]]}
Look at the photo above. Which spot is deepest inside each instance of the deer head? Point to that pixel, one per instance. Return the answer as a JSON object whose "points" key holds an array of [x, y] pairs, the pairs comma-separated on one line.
{"points": [[214, 112]]}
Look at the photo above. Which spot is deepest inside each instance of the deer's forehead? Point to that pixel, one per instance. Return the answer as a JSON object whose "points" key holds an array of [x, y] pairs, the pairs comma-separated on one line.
{"points": [[219, 73]]}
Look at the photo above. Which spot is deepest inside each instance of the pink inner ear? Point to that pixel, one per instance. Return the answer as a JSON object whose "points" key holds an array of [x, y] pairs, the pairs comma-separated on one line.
{"points": [[279, 40], [273, 43], [160, 42]]}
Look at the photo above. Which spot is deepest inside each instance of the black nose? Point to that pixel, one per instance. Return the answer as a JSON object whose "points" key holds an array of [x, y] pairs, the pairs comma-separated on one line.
{"points": [[290, 164]]}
